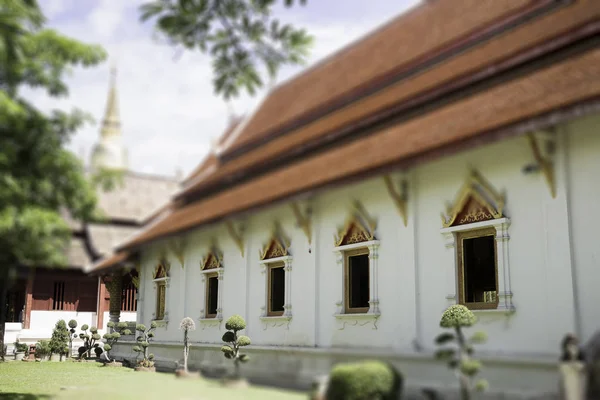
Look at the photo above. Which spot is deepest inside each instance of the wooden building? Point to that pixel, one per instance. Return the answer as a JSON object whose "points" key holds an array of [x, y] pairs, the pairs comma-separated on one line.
{"points": [[42, 296]]}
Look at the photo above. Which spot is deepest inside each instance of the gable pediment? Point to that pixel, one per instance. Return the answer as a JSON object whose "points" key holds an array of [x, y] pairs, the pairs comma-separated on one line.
{"points": [[277, 246], [359, 227], [213, 260], [161, 270], [477, 201]]}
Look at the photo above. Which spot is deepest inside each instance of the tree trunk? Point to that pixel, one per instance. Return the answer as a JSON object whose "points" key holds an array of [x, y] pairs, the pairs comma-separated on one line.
{"points": [[3, 302], [465, 391], [186, 350]]}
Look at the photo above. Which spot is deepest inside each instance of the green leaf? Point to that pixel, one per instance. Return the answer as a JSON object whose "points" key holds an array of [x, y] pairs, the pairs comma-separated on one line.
{"points": [[444, 338]]}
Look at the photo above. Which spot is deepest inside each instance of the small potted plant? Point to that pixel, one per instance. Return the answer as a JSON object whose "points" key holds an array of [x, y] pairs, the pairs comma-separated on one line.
{"points": [[20, 350], [42, 350], [187, 325]]}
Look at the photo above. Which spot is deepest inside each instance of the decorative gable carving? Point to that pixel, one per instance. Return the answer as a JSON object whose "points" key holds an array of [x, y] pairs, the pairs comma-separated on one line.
{"points": [[162, 270], [213, 260], [278, 245], [359, 227], [477, 201]]}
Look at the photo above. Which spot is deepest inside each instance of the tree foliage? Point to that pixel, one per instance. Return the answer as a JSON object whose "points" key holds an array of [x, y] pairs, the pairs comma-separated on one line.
{"points": [[111, 338], [145, 336], [457, 350], [232, 350], [241, 36], [59, 342], [40, 179]]}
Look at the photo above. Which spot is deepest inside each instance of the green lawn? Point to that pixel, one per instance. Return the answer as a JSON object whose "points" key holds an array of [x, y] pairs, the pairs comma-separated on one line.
{"points": [[89, 381]]}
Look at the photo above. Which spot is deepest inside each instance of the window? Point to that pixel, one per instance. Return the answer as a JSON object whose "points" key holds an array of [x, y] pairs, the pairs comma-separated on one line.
{"points": [[58, 300], [212, 276], [477, 269], [276, 266], [212, 295], [476, 233], [161, 283], [276, 289], [161, 294], [357, 291]]}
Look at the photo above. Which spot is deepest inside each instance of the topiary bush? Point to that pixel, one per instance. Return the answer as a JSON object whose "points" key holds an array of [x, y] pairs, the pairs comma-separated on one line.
{"points": [[365, 380], [143, 343], [459, 357], [72, 335], [59, 340], [234, 342], [89, 341], [110, 339]]}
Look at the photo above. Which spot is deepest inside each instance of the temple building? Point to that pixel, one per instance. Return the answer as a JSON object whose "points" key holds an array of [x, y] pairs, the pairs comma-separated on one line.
{"points": [[42, 296], [449, 157]]}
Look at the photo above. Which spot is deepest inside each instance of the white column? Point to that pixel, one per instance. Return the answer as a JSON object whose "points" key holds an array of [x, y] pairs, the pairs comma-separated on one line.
{"points": [[451, 273], [288, 288], [264, 308], [339, 258], [373, 280], [504, 291], [219, 294]]}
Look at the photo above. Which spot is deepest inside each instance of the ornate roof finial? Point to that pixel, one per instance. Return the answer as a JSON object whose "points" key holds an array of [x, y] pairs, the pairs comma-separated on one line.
{"points": [[109, 152]]}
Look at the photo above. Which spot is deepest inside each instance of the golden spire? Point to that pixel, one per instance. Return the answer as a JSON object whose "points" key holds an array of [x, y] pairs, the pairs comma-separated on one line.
{"points": [[111, 125]]}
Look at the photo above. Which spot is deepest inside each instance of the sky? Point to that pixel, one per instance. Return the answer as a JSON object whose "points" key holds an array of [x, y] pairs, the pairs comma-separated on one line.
{"points": [[169, 113]]}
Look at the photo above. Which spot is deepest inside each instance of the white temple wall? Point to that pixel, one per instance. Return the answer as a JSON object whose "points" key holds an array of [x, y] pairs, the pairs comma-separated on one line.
{"points": [[583, 153], [539, 258], [416, 271]]}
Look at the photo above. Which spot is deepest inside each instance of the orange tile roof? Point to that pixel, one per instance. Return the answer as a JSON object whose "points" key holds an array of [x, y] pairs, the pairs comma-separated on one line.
{"points": [[432, 25], [484, 58], [568, 82]]}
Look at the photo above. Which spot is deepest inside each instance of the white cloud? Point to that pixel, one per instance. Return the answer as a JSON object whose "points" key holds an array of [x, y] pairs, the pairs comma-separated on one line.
{"points": [[168, 110]]}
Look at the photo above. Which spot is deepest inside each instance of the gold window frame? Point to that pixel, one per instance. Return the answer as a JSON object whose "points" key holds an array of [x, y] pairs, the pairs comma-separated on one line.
{"points": [[161, 298], [214, 275], [270, 268], [472, 234], [347, 283]]}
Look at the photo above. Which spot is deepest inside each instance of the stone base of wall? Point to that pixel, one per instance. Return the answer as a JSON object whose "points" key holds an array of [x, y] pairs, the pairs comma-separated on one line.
{"points": [[298, 368]]}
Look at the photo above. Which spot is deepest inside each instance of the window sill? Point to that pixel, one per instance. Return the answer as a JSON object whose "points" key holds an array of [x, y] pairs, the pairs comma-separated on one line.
{"points": [[162, 323], [210, 322], [357, 319], [497, 311], [276, 321]]}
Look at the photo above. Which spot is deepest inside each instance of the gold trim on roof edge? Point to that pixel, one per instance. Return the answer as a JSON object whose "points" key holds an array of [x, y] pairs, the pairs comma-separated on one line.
{"points": [[362, 221], [479, 189], [278, 245]]}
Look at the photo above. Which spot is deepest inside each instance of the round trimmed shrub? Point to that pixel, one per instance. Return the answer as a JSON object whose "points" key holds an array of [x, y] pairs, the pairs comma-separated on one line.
{"points": [[457, 316], [235, 323], [366, 380]]}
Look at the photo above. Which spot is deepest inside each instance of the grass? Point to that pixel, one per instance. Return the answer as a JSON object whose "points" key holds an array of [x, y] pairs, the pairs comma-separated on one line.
{"points": [[89, 381]]}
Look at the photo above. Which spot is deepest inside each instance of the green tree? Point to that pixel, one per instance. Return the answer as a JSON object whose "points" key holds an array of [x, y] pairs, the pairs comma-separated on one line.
{"points": [[241, 36], [39, 177], [460, 356], [59, 342], [232, 350]]}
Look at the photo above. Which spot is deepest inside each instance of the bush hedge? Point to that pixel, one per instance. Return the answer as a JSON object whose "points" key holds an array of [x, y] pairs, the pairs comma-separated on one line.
{"points": [[368, 380]]}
